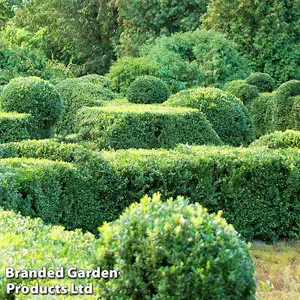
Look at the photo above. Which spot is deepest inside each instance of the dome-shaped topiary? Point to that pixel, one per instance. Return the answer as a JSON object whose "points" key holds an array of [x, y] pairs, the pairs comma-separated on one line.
{"points": [[264, 82], [147, 90], [173, 250], [34, 96], [242, 90], [95, 79], [226, 113], [279, 139], [286, 109]]}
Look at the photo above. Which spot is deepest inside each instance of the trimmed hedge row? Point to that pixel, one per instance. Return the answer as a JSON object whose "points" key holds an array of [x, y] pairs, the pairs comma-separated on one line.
{"points": [[15, 127], [144, 126], [257, 189], [279, 139], [27, 244]]}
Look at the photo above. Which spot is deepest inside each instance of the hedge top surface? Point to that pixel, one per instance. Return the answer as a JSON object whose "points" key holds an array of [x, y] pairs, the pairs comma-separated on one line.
{"points": [[13, 115], [95, 79], [142, 109], [226, 113], [185, 252], [279, 139]]}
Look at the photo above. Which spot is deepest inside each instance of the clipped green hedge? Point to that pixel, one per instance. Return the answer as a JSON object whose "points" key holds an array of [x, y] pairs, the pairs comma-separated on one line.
{"points": [[77, 93], [82, 195], [33, 245], [226, 113], [242, 90], [261, 111], [257, 189], [144, 126], [173, 250], [279, 139], [34, 96], [148, 90], [264, 82], [96, 79], [15, 127], [286, 112]]}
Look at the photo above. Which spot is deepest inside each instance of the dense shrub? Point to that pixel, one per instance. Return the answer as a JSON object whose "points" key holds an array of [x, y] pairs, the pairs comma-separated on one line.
{"points": [[264, 82], [95, 79], [199, 58], [226, 113], [80, 196], [261, 110], [174, 250], [257, 189], [144, 20], [33, 245], [77, 93], [34, 96], [17, 61], [279, 139], [126, 69], [145, 126], [286, 106], [266, 32], [242, 90], [15, 127], [148, 90]]}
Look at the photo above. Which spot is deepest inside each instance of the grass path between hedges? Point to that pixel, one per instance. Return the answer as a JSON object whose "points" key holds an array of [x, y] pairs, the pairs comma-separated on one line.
{"points": [[277, 270]]}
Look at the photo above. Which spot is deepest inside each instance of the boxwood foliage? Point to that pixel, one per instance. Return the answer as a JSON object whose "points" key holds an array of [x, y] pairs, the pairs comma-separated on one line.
{"points": [[226, 113], [96, 79], [264, 82], [279, 139], [77, 93], [286, 112], [81, 194], [173, 250], [242, 90], [257, 189], [144, 126], [15, 127], [28, 244], [34, 96], [261, 113], [148, 90]]}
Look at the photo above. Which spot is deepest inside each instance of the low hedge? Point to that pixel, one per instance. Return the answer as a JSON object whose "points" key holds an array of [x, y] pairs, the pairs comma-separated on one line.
{"points": [[242, 90], [261, 113], [173, 250], [144, 126], [257, 188], [85, 190], [15, 127], [28, 244], [279, 139], [227, 114]]}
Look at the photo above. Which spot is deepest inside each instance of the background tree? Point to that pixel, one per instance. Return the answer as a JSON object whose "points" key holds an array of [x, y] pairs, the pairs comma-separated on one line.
{"points": [[268, 31]]}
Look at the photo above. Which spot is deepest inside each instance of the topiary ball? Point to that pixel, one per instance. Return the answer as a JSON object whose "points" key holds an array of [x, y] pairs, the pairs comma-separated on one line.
{"points": [[242, 90], [148, 90], [173, 250], [264, 82], [227, 114], [37, 97]]}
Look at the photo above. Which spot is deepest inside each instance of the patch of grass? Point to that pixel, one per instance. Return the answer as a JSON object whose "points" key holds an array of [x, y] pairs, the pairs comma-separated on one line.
{"points": [[277, 270]]}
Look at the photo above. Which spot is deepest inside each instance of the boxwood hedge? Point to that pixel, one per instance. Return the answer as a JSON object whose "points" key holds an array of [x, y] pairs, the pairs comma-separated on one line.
{"points": [[15, 127], [144, 126], [257, 188]]}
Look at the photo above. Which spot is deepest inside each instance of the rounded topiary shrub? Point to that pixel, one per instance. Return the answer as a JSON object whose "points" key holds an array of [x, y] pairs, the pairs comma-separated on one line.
{"points": [[286, 111], [279, 139], [264, 82], [37, 97], [226, 113], [173, 250], [242, 90], [95, 79], [148, 90]]}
